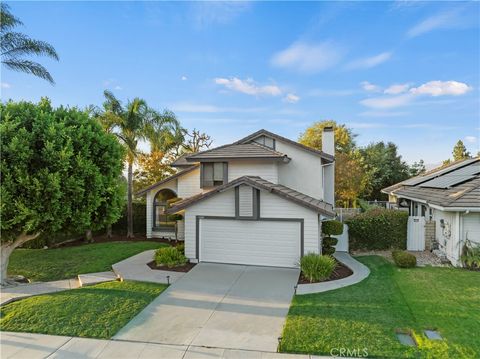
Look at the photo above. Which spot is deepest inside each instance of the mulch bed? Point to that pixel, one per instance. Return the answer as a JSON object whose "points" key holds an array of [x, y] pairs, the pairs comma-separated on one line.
{"points": [[340, 272], [114, 238], [185, 268]]}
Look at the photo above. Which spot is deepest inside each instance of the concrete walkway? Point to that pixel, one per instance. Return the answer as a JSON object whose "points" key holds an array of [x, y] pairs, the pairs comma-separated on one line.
{"points": [[219, 305], [32, 346], [10, 294], [360, 272], [135, 268]]}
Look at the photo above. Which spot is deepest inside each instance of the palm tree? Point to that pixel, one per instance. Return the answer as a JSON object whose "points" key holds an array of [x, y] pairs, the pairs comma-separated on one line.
{"points": [[138, 122], [15, 45]]}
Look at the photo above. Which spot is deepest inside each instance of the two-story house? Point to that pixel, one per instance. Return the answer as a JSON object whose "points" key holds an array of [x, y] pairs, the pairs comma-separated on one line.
{"points": [[258, 201]]}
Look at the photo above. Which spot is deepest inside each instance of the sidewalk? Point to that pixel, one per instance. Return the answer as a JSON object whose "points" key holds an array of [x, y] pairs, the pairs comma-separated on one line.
{"points": [[10, 294], [32, 346]]}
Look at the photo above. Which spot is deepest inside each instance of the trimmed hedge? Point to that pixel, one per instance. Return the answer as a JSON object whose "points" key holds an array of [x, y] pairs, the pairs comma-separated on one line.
{"points": [[378, 229], [404, 259], [332, 228]]}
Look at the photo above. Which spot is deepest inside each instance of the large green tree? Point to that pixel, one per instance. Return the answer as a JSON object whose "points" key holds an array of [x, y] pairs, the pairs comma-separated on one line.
{"points": [[135, 122], [344, 137], [59, 173], [351, 176], [386, 168], [15, 46], [460, 151]]}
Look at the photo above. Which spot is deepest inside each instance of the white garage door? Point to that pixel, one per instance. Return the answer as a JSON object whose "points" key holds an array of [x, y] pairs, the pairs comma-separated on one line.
{"points": [[471, 227], [265, 243]]}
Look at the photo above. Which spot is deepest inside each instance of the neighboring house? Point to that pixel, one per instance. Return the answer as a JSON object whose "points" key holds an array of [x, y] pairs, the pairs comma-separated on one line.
{"points": [[444, 207], [257, 201]]}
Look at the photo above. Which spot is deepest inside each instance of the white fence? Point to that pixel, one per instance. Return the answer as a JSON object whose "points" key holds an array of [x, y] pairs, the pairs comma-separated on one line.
{"points": [[342, 245], [416, 233]]}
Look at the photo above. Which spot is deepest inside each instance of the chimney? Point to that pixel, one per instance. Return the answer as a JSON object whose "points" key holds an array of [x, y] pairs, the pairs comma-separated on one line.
{"points": [[328, 147], [328, 141]]}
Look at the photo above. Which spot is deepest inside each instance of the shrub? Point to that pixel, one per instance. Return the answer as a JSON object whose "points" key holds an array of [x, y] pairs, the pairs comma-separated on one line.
{"points": [[404, 259], [316, 267], [378, 229], [471, 255], [139, 220], [330, 228], [170, 257], [181, 247]]}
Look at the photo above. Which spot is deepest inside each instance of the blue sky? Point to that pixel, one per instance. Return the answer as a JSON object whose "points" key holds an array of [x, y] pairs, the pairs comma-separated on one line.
{"points": [[407, 72]]}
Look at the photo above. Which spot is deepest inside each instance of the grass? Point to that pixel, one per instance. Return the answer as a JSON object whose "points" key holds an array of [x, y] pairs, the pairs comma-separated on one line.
{"points": [[63, 263], [97, 311], [366, 315]]}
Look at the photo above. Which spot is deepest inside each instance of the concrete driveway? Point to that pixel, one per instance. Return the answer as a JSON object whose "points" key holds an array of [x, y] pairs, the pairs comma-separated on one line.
{"points": [[219, 305]]}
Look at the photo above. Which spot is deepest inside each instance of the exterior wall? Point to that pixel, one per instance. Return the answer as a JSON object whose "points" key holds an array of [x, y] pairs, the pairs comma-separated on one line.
{"points": [[267, 170], [471, 227], [429, 234], [447, 237], [303, 173], [150, 196], [272, 205], [222, 204], [189, 184]]}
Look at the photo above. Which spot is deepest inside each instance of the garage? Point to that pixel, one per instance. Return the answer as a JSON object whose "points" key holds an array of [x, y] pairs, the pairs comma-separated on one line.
{"points": [[276, 243]]}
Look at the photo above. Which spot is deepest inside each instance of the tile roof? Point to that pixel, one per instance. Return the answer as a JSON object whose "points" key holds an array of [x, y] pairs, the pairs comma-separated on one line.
{"points": [[181, 161], [168, 179], [456, 185], [260, 183], [233, 151], [284, 139]]}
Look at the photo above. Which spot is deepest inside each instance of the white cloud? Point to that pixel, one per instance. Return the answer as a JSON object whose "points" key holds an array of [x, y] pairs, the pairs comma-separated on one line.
{"points": [[397, 89], [367, 86], [385, 102], [217, 12], [184, 78], [440, 88], [118, 88], [470, 139], [248, 86], [400, 98], [5, 85], [291, 98], [310, 58], [459, 17], [369, 62]]}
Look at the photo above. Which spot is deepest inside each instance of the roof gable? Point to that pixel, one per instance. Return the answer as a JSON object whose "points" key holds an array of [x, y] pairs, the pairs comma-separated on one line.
{"points": [[263, 132], [262, 184], [237, 151]]}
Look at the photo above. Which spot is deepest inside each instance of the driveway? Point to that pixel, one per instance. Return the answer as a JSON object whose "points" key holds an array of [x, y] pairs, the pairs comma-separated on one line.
{"points": [[219, 305]]}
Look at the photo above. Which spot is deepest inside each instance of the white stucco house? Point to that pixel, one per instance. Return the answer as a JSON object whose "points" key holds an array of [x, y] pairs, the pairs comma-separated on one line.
{"points": [[258, 201], [444, 208]]}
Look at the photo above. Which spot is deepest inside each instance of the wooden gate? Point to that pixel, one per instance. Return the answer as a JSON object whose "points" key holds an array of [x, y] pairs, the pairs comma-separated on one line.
{"points": [[416, 233]]}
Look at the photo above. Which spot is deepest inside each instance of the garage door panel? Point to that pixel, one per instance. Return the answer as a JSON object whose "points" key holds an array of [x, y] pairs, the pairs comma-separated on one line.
{"points": [[269, 243]]}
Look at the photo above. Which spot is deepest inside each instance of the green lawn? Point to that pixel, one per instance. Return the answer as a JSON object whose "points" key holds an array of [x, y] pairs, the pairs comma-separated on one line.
{"points": [[63, 263], [367, 314], [97, 311]]}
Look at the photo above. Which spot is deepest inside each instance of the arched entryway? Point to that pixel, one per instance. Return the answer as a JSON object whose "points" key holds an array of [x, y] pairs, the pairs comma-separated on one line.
{"points": [[160, 203]]}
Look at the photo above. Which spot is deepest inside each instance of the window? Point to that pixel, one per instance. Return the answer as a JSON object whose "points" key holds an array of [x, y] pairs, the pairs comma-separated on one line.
{"points": [[213, 174], [265, 141], [160, 203]]}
